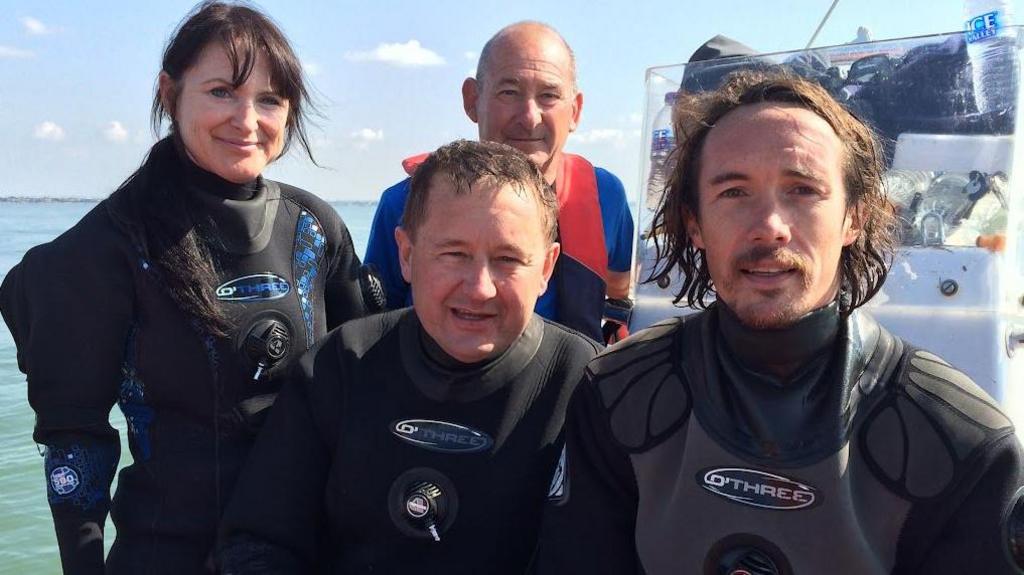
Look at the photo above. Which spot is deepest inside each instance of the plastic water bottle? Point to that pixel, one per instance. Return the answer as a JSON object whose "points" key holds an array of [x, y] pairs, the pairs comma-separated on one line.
{"points": [[662, 142], [991, 50]]}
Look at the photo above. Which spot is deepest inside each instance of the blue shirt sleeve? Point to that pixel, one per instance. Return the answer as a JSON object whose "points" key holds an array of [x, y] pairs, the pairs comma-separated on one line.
{"points": [[382, 249], [617, 220]]}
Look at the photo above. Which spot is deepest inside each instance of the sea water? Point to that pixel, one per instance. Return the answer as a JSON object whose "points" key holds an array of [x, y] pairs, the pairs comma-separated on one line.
{"points": [[27, 542]]}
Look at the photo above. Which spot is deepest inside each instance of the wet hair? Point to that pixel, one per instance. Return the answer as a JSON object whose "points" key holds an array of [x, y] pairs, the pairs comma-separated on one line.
{"points": [[151, 205], [864, 264], [501, 35], [466, 163]]}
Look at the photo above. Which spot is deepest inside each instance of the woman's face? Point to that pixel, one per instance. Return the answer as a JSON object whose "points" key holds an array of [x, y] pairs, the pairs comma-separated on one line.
{"points": [[232, 132]]}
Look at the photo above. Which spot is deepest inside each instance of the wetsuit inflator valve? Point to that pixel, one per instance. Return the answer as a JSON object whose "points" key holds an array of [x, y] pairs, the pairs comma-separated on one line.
{"points": [[746, 554], [425, 505], [747, 561], [267, 343]]}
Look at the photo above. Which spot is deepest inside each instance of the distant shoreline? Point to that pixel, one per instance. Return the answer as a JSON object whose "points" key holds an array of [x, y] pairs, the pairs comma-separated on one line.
{"points": [[49, 200]]}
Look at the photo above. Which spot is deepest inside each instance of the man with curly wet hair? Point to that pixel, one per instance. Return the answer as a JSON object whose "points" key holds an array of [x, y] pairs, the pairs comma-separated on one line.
{"points": [[781, 430]]}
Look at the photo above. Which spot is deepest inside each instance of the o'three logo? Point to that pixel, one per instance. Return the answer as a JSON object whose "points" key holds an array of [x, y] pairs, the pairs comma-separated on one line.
{"points": [[256, 287], [758, 488], [441, 436]]}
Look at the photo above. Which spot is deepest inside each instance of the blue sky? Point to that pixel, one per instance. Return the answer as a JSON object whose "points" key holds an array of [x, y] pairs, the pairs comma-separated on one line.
{"points": [[76, 78]]}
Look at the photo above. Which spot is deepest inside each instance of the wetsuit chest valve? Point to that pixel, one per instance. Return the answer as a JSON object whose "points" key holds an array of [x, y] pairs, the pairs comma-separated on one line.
{"points": [[425, 505], [267, 343]]}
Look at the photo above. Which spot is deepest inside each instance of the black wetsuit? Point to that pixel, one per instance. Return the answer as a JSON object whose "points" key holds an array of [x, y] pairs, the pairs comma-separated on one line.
{"points": [[94, 327], [378, 410], [685, 456]]}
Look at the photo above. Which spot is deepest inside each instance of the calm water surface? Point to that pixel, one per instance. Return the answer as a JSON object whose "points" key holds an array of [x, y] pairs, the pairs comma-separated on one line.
{"points": [[28, 544]]}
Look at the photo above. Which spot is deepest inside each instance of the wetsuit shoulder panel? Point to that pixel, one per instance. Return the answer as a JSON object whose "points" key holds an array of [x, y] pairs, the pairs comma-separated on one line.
{"points": [[923, 437], [307, 200], [959, 460], [640, 387], [330, 222], [358, 336], [951, 388], [343, 299]]}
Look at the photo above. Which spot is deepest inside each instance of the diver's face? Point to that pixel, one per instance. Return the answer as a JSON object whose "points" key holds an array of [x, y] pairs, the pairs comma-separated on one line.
{"points": [[232, 132], [773, 217], [477, 265], [527, 98]]}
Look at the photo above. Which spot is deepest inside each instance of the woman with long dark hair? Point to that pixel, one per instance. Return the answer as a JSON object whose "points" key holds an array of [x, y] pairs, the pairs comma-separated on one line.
{"points": [[183, 298]]}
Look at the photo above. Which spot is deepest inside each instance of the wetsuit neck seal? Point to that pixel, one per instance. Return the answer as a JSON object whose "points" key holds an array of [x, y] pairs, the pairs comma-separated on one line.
{"points": [[236, 218], [788, 348], [801, 419], [441, 377]]}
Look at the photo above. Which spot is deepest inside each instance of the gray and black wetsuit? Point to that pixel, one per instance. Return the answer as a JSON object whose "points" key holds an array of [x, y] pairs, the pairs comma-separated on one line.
{"points": [[685, 456], [95, 327], [379, 410]]}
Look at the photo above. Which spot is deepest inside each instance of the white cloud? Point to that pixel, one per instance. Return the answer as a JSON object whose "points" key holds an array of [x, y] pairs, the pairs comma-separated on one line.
{"points": [[598, 135], [365, 136], [49, 131], [410, 54], [115, 132], [606, 136], [35, 27], [311, 68], [368, 135], [7, 52], [471, 56], [636, 118]]}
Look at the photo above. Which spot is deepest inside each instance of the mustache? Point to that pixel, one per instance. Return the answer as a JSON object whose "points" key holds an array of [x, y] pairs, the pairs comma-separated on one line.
{"points": [[781, 256]]}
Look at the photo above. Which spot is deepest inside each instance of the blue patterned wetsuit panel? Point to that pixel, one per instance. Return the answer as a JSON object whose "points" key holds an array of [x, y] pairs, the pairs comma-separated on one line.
{"points": [[79, 475], [310, 245], [132, 398]]}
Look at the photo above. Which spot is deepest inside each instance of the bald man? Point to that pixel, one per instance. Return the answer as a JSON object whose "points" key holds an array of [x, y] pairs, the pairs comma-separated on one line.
{"points": [[525, 95]]}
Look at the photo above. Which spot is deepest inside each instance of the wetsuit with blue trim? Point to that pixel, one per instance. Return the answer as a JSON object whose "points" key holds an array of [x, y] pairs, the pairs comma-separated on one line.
{"points": [[95, 327], [592, 210], [688, 452], [380, 417]]}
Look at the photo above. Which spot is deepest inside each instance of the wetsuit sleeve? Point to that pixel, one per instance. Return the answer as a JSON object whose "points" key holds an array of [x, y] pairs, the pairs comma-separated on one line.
{"points": [[343, 298], [275, 517], [616, 219], [589, 527], [68, 306], [978, 536], [382, 249]]}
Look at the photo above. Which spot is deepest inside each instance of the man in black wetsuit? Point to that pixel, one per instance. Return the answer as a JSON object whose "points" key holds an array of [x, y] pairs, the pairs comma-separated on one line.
{"points": [[781, 430], [424, 440]]}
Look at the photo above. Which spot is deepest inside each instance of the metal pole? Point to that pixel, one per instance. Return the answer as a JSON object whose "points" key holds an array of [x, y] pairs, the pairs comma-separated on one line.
{"points": [[822, 25]]}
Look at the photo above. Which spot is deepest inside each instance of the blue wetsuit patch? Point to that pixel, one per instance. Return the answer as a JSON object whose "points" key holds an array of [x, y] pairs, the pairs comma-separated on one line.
{"points": [[310, 245], [79, 475]]}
